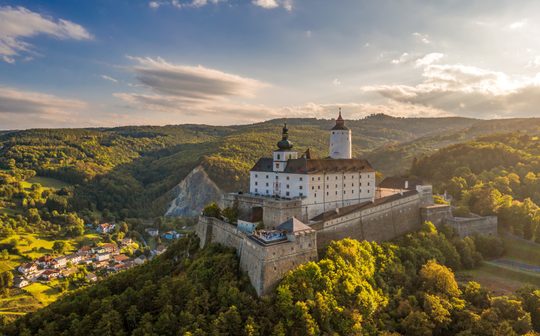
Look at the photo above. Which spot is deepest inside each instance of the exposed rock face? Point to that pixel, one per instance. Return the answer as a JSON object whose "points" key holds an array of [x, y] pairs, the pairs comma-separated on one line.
{"points": [[194, 192]]}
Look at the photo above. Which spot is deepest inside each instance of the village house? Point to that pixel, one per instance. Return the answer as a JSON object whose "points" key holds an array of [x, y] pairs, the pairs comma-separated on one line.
{"points": [[45, 261], [50, 274], [91, 277], [152, 232], [27, 268], [105, 228], [110, 247], [84, 250], [74, 258], [103, 257], [126, 242], [59, 262], [120, 259], [19, 282]]}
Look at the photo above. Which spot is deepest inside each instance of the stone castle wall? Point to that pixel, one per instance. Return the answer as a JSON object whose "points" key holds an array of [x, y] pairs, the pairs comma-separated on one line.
{"points": [[379, 223], [438, 214], [470, 226], [264, 265]]}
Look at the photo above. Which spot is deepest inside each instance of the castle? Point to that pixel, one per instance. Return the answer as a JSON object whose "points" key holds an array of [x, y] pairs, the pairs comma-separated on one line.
{"points": [[297, 204]]}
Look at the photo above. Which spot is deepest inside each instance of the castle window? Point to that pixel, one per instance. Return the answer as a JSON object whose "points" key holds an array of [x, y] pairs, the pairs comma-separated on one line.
{"points": [[319, 187], [301, 187], [287, 186], [315, 195], [266, 176], [336, 192], [312, 187], [301, 194], [336, 177], [352, 184], [344, 177], [327, 193], [267, 184], [256, 183], [278, 156], [344, 192], [368, 183], [277, 177], [256, 175], [327, 178], [287, 178], [352, 191], [368, 191], [287, 193], [336, 186], [301, 178], [255, 189], [319, 178], [267, 191], [277, 165], [344, 185]]}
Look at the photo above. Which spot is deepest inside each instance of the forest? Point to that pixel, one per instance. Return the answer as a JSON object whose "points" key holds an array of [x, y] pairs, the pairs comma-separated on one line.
{"points": [[356, 288]]}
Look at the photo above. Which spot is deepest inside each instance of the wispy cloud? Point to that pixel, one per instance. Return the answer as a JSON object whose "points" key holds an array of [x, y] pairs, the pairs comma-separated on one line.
{"points": [[401, 59], [272, 4], [518, 24], [424, 38], [18, 23], [109, 78], [193, 82], [17, 102], [428, 59]]}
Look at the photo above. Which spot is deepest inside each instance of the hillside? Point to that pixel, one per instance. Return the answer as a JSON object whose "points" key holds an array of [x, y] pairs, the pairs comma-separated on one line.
{"points": [[356, 288], [128, 170]]}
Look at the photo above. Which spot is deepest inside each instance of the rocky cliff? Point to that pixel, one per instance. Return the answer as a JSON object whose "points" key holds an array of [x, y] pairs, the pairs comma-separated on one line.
{"points": [[193, 193]]}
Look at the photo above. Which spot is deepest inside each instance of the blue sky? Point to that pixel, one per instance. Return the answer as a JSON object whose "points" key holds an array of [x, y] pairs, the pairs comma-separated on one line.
{"points": [[108, 63]]}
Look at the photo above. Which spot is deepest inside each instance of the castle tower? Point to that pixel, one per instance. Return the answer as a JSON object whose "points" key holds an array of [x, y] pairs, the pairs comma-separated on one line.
{"points": [[284, 151], [340, 140]]}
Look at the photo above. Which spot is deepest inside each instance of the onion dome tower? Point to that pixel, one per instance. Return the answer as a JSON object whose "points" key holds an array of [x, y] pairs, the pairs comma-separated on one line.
{"points": [[340, 140], [284, 151]]}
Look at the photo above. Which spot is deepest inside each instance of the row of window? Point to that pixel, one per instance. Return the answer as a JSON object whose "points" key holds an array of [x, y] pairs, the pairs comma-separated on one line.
{"points": [[312, 179], [328, 186], [286, 193], [344, 193]]}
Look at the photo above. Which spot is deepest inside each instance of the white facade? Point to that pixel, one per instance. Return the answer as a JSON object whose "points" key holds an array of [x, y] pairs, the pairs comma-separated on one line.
{"points": [[320, 190], [341, 144]]}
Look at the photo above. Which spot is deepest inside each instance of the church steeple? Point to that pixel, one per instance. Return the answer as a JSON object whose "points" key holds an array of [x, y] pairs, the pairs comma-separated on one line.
{"points": [[285, 144], [340, 123]]}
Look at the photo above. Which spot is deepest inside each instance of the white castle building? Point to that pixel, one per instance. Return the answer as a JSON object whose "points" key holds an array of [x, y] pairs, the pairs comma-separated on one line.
{"points": [[296, 205], [320, 184]]}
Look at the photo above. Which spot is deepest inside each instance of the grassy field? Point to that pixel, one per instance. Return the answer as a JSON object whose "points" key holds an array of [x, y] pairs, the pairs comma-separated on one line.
{"points": [[504, 279], [522, 250], [35, 246], [48, 182]]}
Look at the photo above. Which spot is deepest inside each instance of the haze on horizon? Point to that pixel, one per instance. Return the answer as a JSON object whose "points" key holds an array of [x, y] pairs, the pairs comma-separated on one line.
{"points": [[110, 63]]}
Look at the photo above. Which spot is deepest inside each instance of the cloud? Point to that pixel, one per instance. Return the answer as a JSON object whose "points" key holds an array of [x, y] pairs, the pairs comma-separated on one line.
{"points": [[105, 77], [154, 4], [424, 38], [468, 90], [272, 4], [191, 90], [17, 23], [517, 25], [336, 82], [17, 102], [428, 59], [192, 82], [403, 58]]}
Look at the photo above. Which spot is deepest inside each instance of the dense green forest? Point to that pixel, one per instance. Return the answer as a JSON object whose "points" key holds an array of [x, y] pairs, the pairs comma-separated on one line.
{"points": [[493, 175], [405, 287]]}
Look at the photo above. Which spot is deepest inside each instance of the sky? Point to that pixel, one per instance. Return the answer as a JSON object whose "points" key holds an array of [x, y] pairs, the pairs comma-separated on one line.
{"points": [[220, 62]]}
